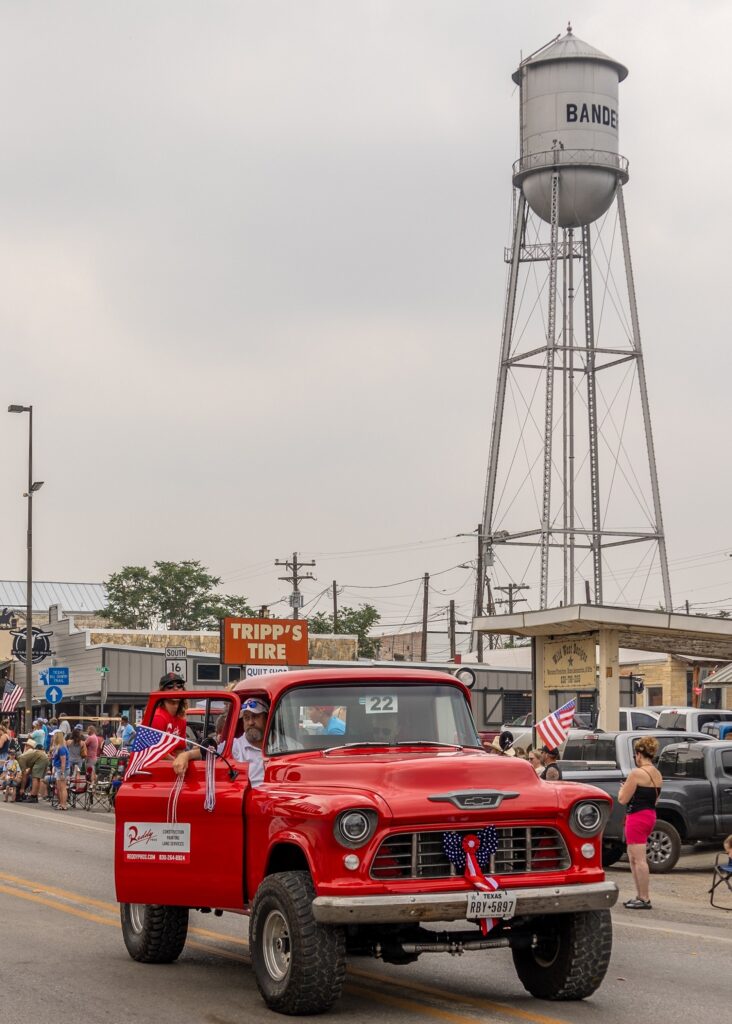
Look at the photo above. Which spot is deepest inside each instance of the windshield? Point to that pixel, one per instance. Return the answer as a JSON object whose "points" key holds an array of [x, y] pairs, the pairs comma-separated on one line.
{"points": [[385, 714]]}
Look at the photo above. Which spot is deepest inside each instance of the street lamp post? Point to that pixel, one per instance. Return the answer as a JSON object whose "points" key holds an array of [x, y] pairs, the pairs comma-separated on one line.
{"points": [[32, 487]]}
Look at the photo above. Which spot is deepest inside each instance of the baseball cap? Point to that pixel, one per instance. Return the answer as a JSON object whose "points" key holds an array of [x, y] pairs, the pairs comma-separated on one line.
{"points": [[172, 681], [255, 705], [552, 751]]}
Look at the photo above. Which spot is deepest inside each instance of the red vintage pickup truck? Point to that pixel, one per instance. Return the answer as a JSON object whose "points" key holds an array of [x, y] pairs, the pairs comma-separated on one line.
{"points": [[368, 827]]}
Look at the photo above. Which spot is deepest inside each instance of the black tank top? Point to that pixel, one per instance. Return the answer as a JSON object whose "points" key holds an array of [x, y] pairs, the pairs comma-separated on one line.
{"points": [[644, 798]]}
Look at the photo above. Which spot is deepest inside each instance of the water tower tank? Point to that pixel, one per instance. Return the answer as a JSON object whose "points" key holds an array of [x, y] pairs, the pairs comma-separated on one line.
{"points": [[569, 121]]}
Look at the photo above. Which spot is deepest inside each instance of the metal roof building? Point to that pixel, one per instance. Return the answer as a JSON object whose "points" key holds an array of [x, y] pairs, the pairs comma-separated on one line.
{"points": [[74, 598]]}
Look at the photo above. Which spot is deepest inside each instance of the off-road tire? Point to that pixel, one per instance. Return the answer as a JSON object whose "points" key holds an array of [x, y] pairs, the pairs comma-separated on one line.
{"points": [[611, 853], [571, 958], [299, 965], [154, 934], [663, 848]]}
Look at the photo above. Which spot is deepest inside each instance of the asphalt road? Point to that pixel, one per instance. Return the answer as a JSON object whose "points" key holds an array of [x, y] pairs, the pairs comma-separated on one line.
{"points": [[63, 957]]}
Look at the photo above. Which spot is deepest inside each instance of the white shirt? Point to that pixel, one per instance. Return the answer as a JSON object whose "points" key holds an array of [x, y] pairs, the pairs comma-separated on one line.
{"points": [[243, 750]]}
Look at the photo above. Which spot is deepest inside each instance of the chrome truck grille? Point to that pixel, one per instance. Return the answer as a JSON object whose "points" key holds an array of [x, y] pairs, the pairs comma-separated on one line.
{"points": [[420, 854]]}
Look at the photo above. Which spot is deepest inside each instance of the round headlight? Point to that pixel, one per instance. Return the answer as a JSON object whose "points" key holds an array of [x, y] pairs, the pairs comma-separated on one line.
{"points": [[588, 817], [354, 826]]}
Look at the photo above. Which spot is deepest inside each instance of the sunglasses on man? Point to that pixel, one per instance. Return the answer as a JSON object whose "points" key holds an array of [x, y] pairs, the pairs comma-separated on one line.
{"points": [[254, 706]]}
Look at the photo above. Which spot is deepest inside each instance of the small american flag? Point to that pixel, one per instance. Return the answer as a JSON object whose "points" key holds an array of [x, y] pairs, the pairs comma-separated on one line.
{"points": [[554, 729], [11, 697], [109, 749], [148, 746]]}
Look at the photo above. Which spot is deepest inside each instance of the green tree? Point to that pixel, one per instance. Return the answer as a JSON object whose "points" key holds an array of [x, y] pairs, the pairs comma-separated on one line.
{"points": [[175, 595], [356, 621]]}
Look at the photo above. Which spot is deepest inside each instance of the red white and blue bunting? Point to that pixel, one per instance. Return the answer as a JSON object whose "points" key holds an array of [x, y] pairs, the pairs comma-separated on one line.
{"points": [[470, 854]]}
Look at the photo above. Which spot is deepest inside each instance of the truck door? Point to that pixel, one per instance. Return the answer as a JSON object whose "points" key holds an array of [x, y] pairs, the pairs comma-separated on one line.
{"points": [[170, 848]]}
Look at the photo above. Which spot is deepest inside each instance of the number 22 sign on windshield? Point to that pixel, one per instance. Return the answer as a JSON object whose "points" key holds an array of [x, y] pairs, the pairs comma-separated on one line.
{"points": [[264, 641]]}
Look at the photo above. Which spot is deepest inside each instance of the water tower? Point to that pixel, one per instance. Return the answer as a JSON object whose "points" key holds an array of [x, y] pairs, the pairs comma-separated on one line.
{"points": [[572, 493]]}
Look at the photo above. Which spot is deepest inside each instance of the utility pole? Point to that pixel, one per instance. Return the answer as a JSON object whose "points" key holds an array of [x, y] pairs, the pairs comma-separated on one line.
{"points": [[33, 486], [295, 579], [425, 609], [494, 638], [335, 607], [511, 589], [264, 612], [479, 590], [451, 630]]}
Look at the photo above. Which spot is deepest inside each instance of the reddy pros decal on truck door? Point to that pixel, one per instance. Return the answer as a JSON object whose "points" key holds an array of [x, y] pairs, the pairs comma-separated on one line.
{"points": [[153, 840]]}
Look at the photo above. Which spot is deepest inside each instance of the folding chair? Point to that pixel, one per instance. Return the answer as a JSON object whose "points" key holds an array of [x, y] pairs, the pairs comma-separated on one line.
{"points": [[101, 792], [722, 876]]}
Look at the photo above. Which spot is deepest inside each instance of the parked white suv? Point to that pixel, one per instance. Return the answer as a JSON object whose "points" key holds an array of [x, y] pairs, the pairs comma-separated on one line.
{"points": [[691, 719], [638, 718]]}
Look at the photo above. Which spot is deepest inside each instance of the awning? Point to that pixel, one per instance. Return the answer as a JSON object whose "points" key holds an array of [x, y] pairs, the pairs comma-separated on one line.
{"points": [[664, 632]]}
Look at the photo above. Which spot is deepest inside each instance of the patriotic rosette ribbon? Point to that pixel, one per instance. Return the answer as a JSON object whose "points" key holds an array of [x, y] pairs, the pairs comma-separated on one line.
{"points": [[471, 853]]}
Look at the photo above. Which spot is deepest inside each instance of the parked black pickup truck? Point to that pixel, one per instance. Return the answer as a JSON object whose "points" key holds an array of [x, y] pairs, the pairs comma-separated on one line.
{"points": [[605, 759]]}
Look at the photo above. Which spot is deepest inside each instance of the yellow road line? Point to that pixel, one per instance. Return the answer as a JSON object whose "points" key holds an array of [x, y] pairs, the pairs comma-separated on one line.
{"points": [[407, 1004], [33, 897], [354, 972], [440, 993], [112, 907]]}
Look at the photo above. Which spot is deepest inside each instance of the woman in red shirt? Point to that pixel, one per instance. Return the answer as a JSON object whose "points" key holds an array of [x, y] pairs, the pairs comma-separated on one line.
{"points": [[170, 714]]}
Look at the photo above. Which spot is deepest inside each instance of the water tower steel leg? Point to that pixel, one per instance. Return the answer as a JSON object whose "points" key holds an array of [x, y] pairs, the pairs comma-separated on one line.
{"points": [[592, 413], [565, 424], [570, 423], [500, 399], [644, 402], [551, 341], [507, 334]]}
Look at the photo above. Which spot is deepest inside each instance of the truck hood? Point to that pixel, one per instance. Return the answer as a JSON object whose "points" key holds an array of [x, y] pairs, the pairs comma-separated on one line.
{"points": [[446, 785]]}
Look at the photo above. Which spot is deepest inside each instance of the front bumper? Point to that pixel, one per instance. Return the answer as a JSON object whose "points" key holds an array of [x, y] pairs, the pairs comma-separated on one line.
{"points": [[451, 906]]}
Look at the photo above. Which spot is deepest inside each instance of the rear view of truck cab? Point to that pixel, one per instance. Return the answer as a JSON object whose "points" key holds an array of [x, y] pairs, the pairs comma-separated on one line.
{"points": [[379, 813]]}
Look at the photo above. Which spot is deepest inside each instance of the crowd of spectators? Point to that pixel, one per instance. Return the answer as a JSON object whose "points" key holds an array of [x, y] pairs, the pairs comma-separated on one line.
{"points": [[53, 754]]}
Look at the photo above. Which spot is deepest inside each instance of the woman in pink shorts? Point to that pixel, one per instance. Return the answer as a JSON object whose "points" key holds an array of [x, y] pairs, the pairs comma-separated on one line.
{"points": [[640, 791]]}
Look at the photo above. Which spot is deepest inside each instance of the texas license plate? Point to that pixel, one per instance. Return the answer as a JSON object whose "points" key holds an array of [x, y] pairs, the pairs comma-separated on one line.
{"points": [[491, 904]]}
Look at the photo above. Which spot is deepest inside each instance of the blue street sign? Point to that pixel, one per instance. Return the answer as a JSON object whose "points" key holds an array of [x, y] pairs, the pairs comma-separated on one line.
{"points": [[54, 694], [58, 676]]}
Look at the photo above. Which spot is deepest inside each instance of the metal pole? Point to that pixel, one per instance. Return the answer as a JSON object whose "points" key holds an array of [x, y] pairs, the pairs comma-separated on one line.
{"points": [[425, 610], [644, 402], [451, 629], [479, 590], [551, 342], [565, 429], [29, 584], [570, 423], [335, 607], [500, 399], [295, 587], [507, 333], [592, 415]]}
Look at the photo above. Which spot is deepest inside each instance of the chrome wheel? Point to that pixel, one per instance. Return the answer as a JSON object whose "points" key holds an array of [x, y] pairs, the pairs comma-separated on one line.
{"points": [[137, 917], [276, 945], [659, 847]]}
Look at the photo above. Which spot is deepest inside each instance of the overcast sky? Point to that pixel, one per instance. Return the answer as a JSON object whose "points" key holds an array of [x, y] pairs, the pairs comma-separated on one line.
{"points": [[252, 280]]}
